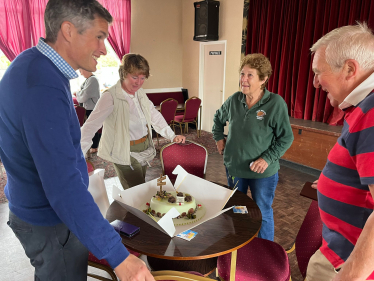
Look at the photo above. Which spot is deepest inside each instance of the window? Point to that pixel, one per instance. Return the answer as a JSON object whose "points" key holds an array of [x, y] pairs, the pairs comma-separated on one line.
{"points": [[4, 63]]}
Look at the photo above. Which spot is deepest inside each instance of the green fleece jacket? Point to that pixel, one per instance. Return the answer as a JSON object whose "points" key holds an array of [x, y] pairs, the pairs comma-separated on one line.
{"points": [[261, 131]]}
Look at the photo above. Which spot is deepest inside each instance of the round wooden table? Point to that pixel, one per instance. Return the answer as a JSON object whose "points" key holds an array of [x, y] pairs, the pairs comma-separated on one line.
{"points": [[224, 234]]}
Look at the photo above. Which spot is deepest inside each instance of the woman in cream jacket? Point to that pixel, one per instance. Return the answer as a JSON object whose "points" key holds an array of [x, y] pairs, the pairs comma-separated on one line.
{"points": [[127, 115]]}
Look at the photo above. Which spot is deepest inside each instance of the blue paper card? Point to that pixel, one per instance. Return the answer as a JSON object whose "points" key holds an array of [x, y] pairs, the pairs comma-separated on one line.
{"points": [[240, 209], [187, 235]]}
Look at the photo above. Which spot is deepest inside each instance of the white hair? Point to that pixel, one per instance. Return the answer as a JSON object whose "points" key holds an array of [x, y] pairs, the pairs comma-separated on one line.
{"points": [[348, 42]]}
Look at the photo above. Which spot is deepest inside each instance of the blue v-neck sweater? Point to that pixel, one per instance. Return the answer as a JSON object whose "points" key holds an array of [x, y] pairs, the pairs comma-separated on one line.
{"points": [[40, 148]]}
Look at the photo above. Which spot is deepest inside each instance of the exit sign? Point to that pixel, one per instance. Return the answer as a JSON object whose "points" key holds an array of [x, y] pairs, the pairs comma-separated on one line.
{"points": [[214, 53]]}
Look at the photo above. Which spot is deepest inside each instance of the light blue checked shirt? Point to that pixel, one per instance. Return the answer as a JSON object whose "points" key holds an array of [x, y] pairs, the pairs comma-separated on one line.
{"points": [[61, 64]]}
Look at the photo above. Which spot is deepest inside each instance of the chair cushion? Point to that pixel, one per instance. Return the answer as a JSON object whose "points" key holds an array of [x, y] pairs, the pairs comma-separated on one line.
{"points": [[259, 260], [179, 118], [92, 258]]}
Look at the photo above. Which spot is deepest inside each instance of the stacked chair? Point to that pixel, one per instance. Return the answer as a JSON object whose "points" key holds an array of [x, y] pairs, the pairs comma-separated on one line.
{"points": [[191, 109], [168, 108]]}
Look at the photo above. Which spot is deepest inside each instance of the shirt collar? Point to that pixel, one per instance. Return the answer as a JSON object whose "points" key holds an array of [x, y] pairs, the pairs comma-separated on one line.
{"points": [[263, 100], [128, 95], [61, 64], [359, 93]]}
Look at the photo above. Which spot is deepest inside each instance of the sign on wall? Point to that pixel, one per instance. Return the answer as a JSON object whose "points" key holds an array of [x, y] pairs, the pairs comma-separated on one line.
{"points": [[215, 53]]}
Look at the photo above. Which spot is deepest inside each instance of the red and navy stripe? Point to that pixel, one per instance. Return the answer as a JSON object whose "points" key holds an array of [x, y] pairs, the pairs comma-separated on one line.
{"points": [[344, 197]]}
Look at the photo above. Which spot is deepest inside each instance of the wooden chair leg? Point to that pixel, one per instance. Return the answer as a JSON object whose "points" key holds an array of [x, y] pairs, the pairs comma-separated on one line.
{"points": [[180, 125], [197, 130], [187, 127]]}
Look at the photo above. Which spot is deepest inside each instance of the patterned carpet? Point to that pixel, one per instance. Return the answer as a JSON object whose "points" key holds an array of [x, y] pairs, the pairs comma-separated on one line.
{"points": [[206, 139]]}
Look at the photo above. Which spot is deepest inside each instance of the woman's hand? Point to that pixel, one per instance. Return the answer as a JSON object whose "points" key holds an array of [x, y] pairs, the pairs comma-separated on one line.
{"points": [[221, 146], [259, 166], [314, 184], [179, 139]]}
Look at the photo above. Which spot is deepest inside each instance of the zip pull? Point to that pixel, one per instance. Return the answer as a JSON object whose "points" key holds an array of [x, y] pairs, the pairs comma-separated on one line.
{"points": [[149, 165], [131, 168]]}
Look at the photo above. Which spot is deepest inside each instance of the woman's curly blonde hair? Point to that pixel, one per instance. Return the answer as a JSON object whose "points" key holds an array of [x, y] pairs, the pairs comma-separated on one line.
{"points": [[134, 64], [260, 63]]}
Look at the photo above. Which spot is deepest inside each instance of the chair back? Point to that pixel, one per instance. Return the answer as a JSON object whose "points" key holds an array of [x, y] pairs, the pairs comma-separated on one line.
{"points": [[191, 108], [75, 101], [168, 108], [309, 237], [81, 113], [191, 156], [90, 166]]}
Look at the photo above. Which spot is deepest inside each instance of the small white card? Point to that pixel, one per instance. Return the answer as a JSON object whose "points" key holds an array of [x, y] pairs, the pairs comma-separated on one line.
{"points": [[240, 209], [187, 235]]}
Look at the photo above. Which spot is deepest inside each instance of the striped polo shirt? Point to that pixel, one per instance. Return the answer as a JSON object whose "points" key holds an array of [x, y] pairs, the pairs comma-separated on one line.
{"points": [[344, 197]]}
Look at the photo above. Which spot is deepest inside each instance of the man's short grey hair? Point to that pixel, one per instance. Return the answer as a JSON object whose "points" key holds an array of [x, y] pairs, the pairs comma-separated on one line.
{"points": [[348, 42], [81, 13]]}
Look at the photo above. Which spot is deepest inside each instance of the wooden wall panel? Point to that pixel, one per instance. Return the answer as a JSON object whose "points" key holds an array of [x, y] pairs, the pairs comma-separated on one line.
{"points": [[310, 148]]}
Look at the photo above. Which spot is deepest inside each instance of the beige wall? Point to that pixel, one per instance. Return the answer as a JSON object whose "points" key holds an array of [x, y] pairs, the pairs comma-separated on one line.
{"points": [[230, 29], [162, 31], [156, 34]]}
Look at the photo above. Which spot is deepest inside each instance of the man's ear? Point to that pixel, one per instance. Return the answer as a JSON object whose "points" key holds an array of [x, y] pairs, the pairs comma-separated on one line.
{"points": [[351, 67], [67, 29]]}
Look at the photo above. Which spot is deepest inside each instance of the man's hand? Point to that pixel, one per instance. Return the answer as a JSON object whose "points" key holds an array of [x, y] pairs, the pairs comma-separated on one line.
{"points": [[133, 269], [314, 184], [179, 139], [221, 146], [259, 166]]}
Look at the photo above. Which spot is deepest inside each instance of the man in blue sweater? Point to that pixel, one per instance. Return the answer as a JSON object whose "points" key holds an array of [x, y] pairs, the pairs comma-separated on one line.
{"points": [[51, 212]]}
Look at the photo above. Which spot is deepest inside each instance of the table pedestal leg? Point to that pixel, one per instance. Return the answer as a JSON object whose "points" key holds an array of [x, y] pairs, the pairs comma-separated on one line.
{"points": [[202, 266], [234, 255]]}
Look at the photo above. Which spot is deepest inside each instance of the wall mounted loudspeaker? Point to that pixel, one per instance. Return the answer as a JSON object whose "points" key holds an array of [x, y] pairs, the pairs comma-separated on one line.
{"points": [[206, 21]]}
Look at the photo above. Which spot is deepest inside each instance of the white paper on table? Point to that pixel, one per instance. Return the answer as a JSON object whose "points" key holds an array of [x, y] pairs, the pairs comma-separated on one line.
{"points": [[97, 189], [213, 197]]}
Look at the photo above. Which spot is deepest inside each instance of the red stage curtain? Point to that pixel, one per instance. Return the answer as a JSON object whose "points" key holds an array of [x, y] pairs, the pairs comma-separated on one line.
{"points": [[284, 31], [36, 11], [22, 23], [120, 30], [14, 28]]}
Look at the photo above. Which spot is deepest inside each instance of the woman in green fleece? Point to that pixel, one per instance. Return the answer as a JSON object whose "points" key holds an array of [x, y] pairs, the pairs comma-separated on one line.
{"points": [[259, 134]]}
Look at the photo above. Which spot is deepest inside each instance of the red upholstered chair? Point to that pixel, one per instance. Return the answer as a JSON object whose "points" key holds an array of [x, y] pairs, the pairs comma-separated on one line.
{"points": [[309, 237], [81, 113], [191, 108], [90, 166], [192, 156], [104, 265], [167, 109], [262, 260], [75, 101], [259, 260]]}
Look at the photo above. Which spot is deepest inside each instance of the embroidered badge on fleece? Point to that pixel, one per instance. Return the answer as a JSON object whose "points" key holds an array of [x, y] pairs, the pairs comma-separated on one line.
{"points": [[260, 114]]}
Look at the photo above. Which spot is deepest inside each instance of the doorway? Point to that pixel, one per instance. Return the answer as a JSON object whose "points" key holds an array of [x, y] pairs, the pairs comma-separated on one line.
{"points": [[211, 80]]}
